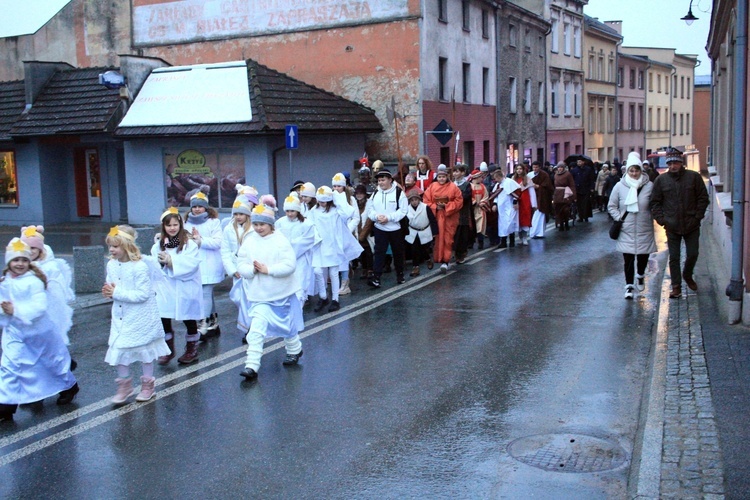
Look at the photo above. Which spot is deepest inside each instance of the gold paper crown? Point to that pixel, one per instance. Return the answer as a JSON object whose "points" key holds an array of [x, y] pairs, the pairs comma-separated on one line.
{"points": [[170, 210], [115, 231]]}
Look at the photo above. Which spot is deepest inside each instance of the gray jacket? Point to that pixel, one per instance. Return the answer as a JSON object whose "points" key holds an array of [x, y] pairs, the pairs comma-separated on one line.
{"points": [[637, 234]]}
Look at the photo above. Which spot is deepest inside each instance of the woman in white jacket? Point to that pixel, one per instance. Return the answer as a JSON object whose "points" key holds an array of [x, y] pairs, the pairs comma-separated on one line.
{"points": [[629, 202], [181, 297], [267, 262], [303, 237], [136, 334], [203, 224]]}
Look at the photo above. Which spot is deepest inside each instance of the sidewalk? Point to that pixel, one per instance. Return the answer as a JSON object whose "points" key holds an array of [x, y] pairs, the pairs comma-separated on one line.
{"points": [[688, 449]]}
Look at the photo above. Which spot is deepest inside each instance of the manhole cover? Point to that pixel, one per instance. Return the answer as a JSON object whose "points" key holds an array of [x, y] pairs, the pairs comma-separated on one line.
{"points": [[568, 453]]}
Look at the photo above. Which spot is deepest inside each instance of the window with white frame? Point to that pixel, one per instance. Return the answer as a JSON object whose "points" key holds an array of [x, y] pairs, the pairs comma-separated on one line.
{"points": [[600, 68], [577, 41], [554, 88], [512, 35], [568, 92], [640, 79], [566, 38], [650, 124], [555, 33], [687, 124], [527, 96], [513, 94], [577, 99], [591, 66], [541, 98], [485, 85], [631, 117], [591, 119], [600, 117], [688, 88]]}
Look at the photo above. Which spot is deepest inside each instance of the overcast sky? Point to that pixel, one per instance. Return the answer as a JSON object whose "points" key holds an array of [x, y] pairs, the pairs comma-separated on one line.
{"points": [[656, 23]]}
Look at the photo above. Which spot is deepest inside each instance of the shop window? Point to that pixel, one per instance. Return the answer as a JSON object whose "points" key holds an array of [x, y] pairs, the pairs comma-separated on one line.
{"points": [[8, 179], [214, 171]]}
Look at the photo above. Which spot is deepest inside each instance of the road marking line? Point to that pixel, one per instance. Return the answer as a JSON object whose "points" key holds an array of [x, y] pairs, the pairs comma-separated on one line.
{"points": [[475, 261], [117, 412]]}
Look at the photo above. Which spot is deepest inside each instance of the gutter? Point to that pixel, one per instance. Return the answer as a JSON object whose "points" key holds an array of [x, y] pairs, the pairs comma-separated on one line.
{"points": [[736, 287]]}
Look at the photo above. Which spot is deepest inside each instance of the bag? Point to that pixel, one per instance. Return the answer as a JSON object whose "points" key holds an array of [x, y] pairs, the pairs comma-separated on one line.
{"points": [[614, 230]]}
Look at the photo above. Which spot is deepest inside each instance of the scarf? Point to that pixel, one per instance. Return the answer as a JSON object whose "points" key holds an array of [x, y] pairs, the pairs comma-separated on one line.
{"points": [[173, 242], [631, 199], [198, 219]]}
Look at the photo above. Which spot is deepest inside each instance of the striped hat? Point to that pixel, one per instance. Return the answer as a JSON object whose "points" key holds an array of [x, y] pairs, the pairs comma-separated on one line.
{"points": [[264, 214]]}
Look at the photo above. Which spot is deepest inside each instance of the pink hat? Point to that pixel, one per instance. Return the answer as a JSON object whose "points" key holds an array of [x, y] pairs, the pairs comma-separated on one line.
{"points": [[32, 236]]}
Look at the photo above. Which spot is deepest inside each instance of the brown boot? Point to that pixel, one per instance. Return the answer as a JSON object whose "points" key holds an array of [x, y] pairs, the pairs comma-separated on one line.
{"points": [[163, 360], [676, 292], [191, 353]]}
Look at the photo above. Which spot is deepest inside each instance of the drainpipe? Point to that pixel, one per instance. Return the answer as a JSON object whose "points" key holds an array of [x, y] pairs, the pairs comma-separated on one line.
{"points": [[617, 95], [735, 288], [672, 124]]}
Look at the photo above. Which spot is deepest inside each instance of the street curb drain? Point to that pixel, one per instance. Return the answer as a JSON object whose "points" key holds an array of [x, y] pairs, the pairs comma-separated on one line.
{"points": [[568, 453]]}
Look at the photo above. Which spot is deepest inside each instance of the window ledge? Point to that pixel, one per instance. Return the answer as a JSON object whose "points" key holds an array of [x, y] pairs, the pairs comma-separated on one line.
{"points": [[724, 202], [712, 170], [716, 183]]}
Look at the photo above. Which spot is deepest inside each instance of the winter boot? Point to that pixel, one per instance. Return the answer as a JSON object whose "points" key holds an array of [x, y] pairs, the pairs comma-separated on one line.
{"points": [[6, 412], [503, 242], [191, 353], [163, 360], [124, 390], [629, 292], [68, 395], [147, 389], [512, 240], [345, 290]]}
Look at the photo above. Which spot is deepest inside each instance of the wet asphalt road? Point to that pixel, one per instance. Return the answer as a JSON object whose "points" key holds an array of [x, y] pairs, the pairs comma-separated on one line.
{"points": [[409, 391]]}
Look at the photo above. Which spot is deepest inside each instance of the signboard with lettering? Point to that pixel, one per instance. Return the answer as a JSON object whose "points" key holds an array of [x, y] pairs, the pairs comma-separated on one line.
{"points": [[163, 22]]}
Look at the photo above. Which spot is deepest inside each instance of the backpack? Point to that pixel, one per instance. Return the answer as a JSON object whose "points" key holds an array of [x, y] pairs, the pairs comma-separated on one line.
{"points": [[404, 222]]}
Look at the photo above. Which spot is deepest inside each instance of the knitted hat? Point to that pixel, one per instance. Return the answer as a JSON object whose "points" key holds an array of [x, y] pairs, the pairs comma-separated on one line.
{"points": [[262, 213], [249, 192], [17, 248], [634, 160], [308, 189], [199, 199], [673, 155], [324, 193], [442, 169], [483, 167], [414, 193], [32, 236], [241, 206], [338, 180], [561, 164], [269, 201], [169, 211], [292, 202]]}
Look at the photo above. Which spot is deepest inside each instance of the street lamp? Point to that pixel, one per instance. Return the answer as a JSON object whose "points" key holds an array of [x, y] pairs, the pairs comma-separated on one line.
{"points": [[689, 18]]}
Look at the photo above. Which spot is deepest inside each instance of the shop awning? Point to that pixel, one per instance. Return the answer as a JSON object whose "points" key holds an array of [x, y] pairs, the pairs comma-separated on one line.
{"points": [[192, 95]]}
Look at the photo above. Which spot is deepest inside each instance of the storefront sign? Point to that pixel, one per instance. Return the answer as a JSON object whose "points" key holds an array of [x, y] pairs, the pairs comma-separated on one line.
{"points": [[213, 171], [162, 22], [191, 162]]}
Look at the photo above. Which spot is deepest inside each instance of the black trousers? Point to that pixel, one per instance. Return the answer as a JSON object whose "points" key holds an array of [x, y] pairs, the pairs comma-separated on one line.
{"points": [[382, 239], [674, 242], [629, 266]]}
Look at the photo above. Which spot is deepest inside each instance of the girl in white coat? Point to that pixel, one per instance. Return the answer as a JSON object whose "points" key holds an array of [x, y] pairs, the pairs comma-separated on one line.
{"points": [[203, 224], [303, 237], [59, 278], [35, 362], [136, 333], [234, 236], [267, 261], [337, 246], [307, 197], [181, 297], [338, 184]]}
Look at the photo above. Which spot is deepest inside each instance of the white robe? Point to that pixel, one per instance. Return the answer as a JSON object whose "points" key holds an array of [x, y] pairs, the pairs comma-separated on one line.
{"points": [[212, 268], [35, 362], [59, 293], [303, 238], [338, 245], [182, 297], [507, 215]]}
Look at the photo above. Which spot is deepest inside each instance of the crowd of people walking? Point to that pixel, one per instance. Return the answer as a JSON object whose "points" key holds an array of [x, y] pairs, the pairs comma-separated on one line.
{"points": [[313, 253]]}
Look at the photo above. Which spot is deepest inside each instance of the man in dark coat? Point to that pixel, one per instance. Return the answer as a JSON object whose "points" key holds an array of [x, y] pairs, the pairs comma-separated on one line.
{"points": [[585, 178], [678, 202]]}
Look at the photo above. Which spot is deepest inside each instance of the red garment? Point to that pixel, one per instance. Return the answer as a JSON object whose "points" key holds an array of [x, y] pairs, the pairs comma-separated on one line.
{"points": [[447, 219], [524, 203], [424, 180]]}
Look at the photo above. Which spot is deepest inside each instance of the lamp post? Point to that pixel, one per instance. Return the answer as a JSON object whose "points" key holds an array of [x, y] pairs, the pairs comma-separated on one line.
{"points": [[689, 18]]}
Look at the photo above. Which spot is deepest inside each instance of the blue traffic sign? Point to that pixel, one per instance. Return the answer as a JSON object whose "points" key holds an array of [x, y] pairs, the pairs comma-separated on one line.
{"points": [[292, 137]]}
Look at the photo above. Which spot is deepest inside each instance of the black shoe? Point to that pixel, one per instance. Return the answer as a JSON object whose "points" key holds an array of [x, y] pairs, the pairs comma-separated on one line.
{"points": [[334, 306], [291, 359], [400, 279], [73, 364], [481, 245], [374, 282], [249, 374], [321, 304], [244, 339], [6, 412], [68, 395]]}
